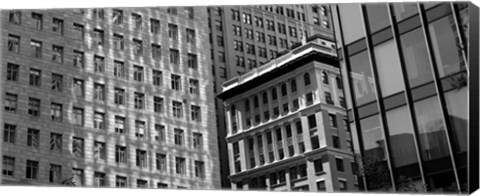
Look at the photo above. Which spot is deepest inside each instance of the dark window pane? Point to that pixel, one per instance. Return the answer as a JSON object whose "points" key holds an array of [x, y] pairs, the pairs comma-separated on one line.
{"points": [[377, 16], [363, 83], [416, 57], [445, 41], [374, 154]]}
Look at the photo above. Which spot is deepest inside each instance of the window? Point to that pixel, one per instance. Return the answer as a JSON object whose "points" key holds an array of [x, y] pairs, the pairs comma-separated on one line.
{"points": [[142, 183], [194, 87], [270, 25], [57, 82], [255, 102], [137, 21], [157, 77], [34, 107], [9, 133], [189, 12], [158, 104], [196, 113], [119, 69], [32, 170], [317, 164], [35, 77], [57, 54], [141, 158], [139, 129], [178, 137], [190, 36], [176, 82], [262, 52], [119, 96], [220, 41], [192, 61], [137, 73], [339, 83], [120, 181], [199, 169], [340, 166], [117, 17], [99, 150], [56, 141], [336, 141], [99, 120], [324, 77], [250, 49], [160, 130], [154, 26], [137, 47], [36, 48], [118, 42], [139, 100], [249, 34], [78, 176], [12, 72], [247, 18], [120, 154], [98, 37], [260, 37], [235, 15], [119, 124], [10, 102], [77, 147], [272, 40], [56, 112], [240, 61], [312, 122], [78, 87], [174, 57], [55, 173], [197, 141], [78, 59], [99, 92], [173, 31], [78, 116], [333, 120], [321, 186], [238, 45], [161, 162], [156, 51], [57, 27], [284, 90], [180, 166], [99, 179], [259, 21], [15, 17], [309, 97], [221, 58], [252, 63], [13, 43], [328, 98], [172, 10], [78, 31], [218, 25], [99, 64], [162, 185]]}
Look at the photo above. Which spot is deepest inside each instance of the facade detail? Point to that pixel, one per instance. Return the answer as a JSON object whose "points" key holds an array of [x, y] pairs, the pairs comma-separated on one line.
{"points": [[87, 99], [287, 128]]}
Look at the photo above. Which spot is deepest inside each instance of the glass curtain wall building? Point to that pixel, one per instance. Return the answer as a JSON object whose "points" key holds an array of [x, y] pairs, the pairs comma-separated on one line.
{"points": [[406, 71]]}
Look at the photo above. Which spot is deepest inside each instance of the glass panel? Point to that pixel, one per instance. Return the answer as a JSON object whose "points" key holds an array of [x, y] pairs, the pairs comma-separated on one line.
{"points": [[404, 10], [464, 20], [402, 148], [429, 5], [445, 41], [352, 23], [388, 66], [377, 174], [346, 89], [377, 14], [362, 78], [433, 146], [458, 111], [416, 57]]}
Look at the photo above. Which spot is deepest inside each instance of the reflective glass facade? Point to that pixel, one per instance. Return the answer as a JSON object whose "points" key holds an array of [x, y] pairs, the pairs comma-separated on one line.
{"points": [[408, 81]]}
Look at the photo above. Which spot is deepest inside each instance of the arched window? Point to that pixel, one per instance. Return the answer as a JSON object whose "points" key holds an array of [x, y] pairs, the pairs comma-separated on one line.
{"points": [[306, 78], [255, 102], [324, 77], [274, 93], [339, 83], [247, 105], [293, 85], [265, 97], [233, 111], [284, 90]]}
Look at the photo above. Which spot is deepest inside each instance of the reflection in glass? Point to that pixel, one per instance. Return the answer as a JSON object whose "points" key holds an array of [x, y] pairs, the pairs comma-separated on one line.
{"points": [[388, 67], [431, 4], [464, 20], [434, 146], [416, 57], [362, 78], [377, 14], [445, 41], [377, 174], [458, 111], [402, 148], [404, 10], [352, 24]]}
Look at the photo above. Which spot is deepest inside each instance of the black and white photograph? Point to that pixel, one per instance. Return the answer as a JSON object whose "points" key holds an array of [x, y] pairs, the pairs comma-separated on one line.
{"points": [[326, 97]]}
